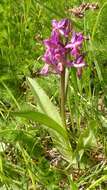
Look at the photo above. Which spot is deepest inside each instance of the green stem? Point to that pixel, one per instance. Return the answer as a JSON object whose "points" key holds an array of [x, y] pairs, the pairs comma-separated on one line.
{"points": [[66, 83], [63, 114]]}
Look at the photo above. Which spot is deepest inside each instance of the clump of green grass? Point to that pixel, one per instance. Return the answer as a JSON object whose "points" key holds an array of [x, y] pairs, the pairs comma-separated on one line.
{"points": [[28, 158]]}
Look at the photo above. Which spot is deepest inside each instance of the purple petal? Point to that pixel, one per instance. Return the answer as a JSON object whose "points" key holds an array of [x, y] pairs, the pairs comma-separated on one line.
{"points": [[59, 67], [73, 37], [75, 52], [80, 59], [69, 46], [69, 63], [77, 39], [62, 23], [80, 37], [47, 43], [62, 26], [79, 65], [44, 70], [79, 62], [54, 23], [47, 57], [58, 56], [55, 37]]}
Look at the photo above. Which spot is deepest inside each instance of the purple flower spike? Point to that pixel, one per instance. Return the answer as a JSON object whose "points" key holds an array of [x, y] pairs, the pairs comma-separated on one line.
{"points": [[63, 26], [58, 52]]}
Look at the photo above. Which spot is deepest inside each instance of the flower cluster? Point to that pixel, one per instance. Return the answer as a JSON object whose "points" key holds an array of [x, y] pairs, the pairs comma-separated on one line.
{"points": [[63, 49]]}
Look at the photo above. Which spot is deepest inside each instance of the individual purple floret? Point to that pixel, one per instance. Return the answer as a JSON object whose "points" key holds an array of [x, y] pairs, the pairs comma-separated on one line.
{"points": [[53, 41], [44, 70], [76, 43], [63, 26], [79, 63]]}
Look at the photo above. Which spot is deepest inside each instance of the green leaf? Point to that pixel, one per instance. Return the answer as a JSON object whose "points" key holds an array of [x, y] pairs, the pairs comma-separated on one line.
{"points": [[44, 102], [58, 134], [11, 95], [2, 147], [98, 70], [103, 121], [44, 120], [97, 182], [86, 139], [51, 119], [73, 185]]}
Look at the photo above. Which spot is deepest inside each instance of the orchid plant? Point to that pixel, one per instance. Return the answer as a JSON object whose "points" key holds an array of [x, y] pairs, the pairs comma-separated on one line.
{"points": [[64, 50]]}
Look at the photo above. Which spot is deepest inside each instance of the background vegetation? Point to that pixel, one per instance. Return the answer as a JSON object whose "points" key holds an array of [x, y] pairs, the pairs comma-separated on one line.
{"points": [[28, 158]]}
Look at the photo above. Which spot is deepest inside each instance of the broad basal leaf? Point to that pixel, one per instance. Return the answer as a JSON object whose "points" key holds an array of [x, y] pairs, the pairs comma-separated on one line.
{"points": [[44, 120], [58, 134], [44, 102]]}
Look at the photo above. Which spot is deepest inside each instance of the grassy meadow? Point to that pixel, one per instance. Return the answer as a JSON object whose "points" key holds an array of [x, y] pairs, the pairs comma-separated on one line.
{"points": [[36, 151]]}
